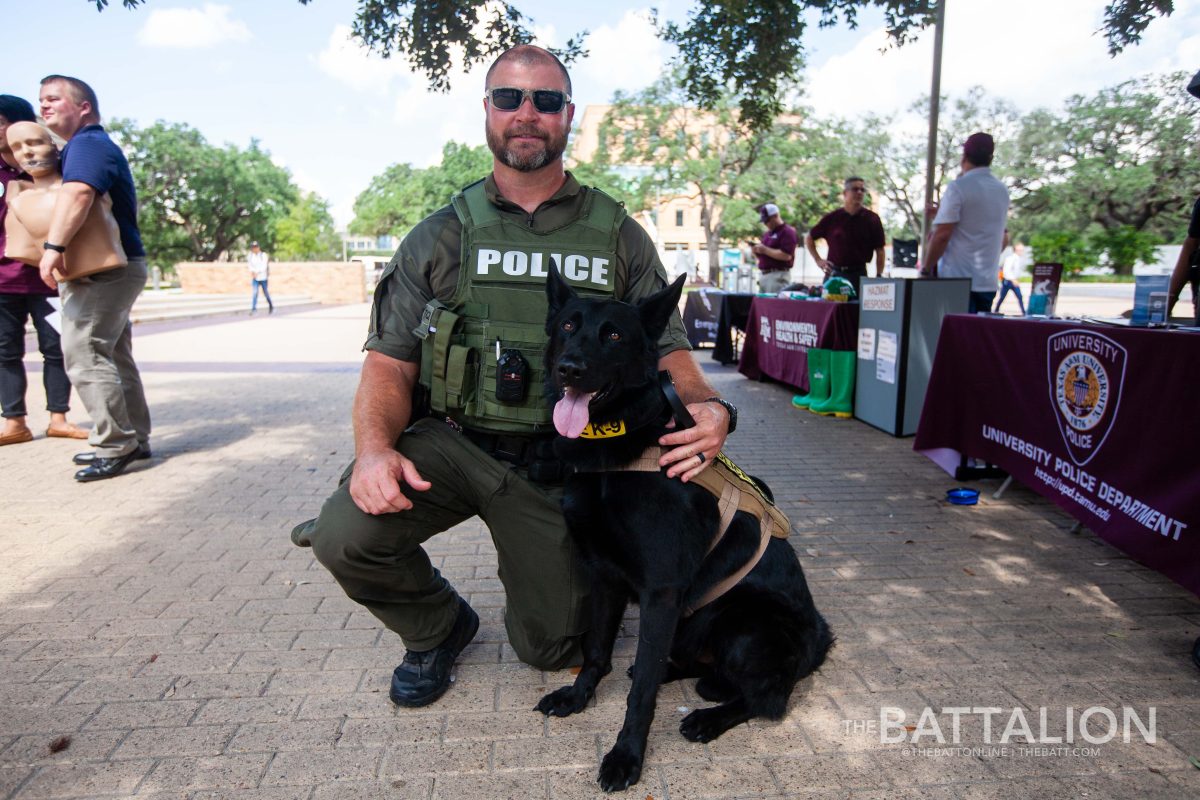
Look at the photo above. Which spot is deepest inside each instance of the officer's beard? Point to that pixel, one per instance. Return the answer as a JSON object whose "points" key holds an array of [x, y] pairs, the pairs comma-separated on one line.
{"points": [[552, 150]]}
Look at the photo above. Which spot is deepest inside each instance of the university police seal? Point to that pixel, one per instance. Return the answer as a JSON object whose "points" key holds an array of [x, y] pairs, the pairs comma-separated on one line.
{"points": [[1086, 373]]}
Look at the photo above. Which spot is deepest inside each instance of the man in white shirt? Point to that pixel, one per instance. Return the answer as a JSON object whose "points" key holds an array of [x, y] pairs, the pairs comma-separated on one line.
{"points": [[968, 231], [260, 270], [1012, 267]]}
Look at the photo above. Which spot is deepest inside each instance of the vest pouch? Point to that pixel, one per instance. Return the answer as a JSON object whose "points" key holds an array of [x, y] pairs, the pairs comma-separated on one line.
{"points": [[460, 376], [437, 329]]}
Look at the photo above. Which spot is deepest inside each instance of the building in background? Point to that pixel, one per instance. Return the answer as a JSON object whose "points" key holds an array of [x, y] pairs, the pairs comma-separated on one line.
{"points": [[673, 221]]}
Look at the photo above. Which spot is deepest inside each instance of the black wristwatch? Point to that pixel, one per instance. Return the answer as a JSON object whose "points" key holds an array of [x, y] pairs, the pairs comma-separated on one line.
{"points": [[731, 408], [58, 248]]}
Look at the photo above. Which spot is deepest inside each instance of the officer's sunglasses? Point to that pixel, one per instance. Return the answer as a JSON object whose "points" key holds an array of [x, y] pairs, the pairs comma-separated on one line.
{"points": [[546, 101]]}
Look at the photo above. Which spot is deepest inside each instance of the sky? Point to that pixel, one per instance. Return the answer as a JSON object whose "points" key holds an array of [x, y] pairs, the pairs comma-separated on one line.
{"points": [[335, 116]]}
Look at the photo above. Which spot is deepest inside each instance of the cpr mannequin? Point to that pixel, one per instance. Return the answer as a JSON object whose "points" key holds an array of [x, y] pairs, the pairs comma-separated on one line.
{"points": [[96, 247]]}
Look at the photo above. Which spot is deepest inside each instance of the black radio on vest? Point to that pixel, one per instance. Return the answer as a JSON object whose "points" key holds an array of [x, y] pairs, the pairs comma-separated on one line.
{"points": [[512, 376]]}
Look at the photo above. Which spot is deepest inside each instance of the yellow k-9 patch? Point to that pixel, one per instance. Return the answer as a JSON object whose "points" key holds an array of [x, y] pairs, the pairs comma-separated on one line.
{"points": [[603, 430]]}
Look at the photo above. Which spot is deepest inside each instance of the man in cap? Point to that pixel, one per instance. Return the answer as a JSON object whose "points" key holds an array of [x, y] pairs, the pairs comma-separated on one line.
{"points": [[776, 252], [854, 235], [968, 231]]}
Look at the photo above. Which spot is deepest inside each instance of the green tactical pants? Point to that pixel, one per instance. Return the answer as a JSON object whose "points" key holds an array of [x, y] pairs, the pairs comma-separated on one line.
{"points": [[379, 562]]}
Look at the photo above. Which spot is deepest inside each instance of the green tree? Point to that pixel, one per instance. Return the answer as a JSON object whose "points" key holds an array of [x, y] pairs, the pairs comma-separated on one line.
{"points": [[1125, 247], [1117, 167], [667, 146], [1074, 252], [461, 165], [704, 155], [894, 164], [401, 196], [197, 201], [628, 186], [307, 233], [391, 203], [753, 47]]}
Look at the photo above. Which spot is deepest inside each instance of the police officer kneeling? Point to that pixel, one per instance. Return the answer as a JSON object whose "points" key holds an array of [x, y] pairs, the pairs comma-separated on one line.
{"points": [[458, 319]]}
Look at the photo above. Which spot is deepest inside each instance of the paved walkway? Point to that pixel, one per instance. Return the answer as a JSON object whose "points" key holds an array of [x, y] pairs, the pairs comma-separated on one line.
{"points": [[162, 627]]}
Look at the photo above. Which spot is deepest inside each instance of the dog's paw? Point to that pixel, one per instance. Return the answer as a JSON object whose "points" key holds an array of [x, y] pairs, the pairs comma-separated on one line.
{"points": [[562, 702], [703, 725], [620, 769]]}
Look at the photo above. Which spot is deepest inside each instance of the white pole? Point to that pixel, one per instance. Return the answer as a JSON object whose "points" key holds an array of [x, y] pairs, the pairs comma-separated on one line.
{"points": [[934, 102]]}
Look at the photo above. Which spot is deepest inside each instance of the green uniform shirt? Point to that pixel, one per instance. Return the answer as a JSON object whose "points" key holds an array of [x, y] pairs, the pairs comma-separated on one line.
{"points": [[426, 267]]}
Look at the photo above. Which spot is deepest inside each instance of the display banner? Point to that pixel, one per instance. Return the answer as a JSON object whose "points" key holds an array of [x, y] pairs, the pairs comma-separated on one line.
{"points": [[1100, 420], [1043, 296], [780, 332], [700, 312]]}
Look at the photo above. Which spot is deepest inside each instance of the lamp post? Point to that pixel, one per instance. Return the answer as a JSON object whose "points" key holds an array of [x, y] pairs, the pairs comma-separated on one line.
{"points": [[935, 93]]}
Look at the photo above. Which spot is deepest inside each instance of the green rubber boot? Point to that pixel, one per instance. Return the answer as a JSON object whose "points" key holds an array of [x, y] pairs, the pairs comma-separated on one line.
{"points": [[840, 403], [818, 379]]}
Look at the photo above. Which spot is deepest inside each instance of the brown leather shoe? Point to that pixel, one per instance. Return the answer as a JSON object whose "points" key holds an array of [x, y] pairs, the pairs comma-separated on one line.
{"points": [[68, 431], [17, 437]]}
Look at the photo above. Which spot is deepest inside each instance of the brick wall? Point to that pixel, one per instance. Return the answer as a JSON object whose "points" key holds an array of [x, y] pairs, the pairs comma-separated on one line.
{"points": [[330, 282]]}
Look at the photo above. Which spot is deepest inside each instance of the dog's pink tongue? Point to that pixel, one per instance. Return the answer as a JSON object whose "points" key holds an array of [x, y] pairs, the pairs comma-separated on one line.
{"points": [[571, 413]]}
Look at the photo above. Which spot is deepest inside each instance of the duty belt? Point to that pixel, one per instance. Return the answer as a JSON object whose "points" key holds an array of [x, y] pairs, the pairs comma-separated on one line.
{"points": [[534, 454]]}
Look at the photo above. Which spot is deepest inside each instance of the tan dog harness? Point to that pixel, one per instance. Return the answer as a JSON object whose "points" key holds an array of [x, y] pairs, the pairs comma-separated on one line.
{"points": [[735, 491]]}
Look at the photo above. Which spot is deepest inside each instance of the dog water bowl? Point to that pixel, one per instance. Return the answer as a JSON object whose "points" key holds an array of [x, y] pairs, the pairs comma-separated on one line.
{"points": [[962, 496]]}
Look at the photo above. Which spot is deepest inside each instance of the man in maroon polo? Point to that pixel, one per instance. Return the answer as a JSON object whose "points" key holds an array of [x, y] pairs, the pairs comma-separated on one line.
{"points": [[854, 235], [776, 252]]}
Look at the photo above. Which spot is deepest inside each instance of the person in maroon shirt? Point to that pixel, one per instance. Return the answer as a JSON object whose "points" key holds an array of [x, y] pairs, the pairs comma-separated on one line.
{"points": [[853, 233], [24, 295], [776, 252]]}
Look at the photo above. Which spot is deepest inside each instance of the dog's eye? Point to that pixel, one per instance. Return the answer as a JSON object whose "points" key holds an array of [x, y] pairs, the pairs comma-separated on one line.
{"points": [[568, 326], [614, 336]]}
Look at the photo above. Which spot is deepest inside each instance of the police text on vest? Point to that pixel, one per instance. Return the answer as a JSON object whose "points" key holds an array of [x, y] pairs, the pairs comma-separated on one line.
{"points": [[516, 263]]}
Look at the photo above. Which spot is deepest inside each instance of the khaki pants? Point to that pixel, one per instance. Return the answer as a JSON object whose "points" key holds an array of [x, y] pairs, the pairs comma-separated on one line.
{"points": [[97, 345], [379, 562], [773, 282]]}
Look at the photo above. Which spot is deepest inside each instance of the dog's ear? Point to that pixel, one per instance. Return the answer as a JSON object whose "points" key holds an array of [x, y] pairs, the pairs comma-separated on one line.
{"points": [[558, 293], [656, 309]]}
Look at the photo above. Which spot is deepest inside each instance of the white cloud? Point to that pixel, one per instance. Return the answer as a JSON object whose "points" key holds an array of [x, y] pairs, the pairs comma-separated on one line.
{"points": [[1031, 52], [346, 60], [426, 120], [192, 27], [627, 56]]}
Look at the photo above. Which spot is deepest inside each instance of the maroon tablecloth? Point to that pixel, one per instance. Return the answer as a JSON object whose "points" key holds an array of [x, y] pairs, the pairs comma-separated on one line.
{"points": [[1101, 420], [779, 333]]}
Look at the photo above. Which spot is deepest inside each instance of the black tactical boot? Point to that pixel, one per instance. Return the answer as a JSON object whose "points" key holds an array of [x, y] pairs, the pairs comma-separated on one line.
{"points": [[424, 676]]}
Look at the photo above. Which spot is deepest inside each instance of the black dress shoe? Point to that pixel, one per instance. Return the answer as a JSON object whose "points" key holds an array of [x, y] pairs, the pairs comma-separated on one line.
{"points": [[102, 468], [83, 459], [424, 676]]}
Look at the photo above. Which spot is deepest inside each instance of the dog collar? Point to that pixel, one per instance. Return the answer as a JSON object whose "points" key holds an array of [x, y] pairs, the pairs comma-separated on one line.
{"points": [[603, 430], [614, 428]]}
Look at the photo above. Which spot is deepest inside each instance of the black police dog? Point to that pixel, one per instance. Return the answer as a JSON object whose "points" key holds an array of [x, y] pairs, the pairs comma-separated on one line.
{"points": [[644, 537]]}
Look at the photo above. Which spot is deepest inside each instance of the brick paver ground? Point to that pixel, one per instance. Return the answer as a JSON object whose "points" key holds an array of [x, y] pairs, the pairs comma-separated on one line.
{"points": [[164, 623]]}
